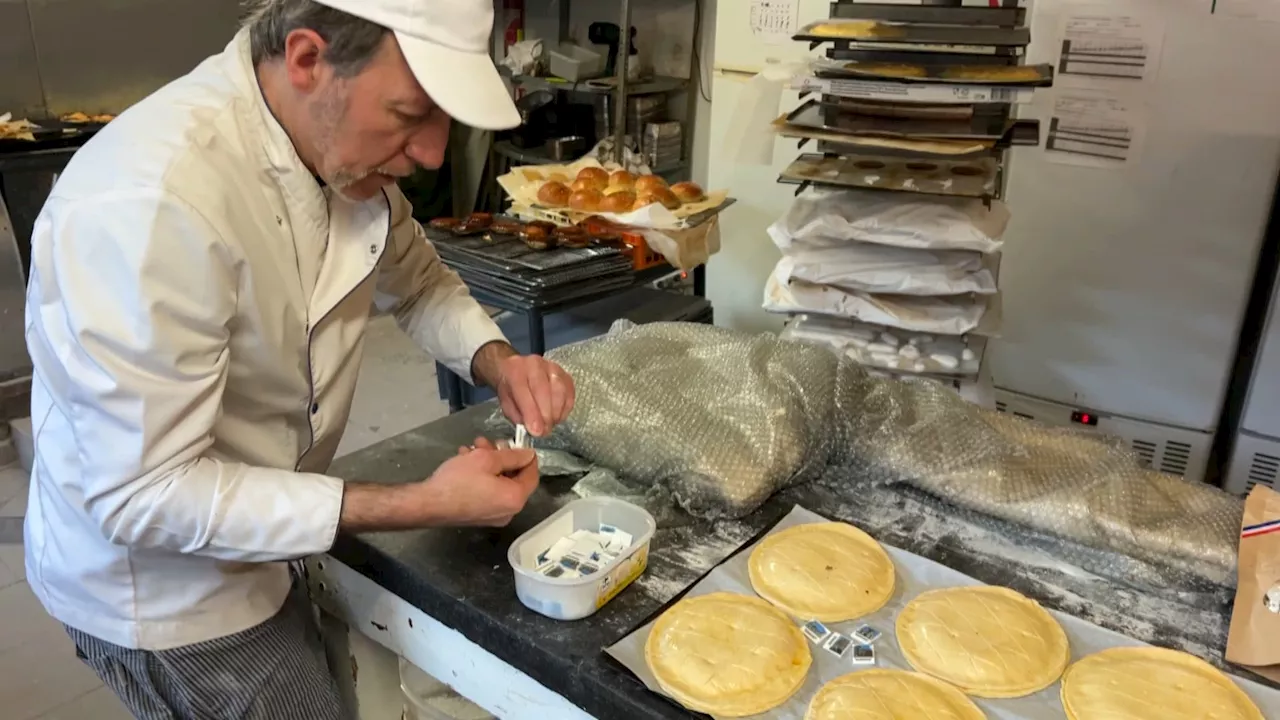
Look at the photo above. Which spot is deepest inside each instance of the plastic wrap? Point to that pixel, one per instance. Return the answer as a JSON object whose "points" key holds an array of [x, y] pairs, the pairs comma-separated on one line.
{"points": [[724, 419], [878, 269], [948, 315], [822, 218]]}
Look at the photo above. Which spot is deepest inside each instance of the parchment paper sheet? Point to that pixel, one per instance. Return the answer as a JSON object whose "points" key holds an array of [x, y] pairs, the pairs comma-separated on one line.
{"points": [[915, 575]]}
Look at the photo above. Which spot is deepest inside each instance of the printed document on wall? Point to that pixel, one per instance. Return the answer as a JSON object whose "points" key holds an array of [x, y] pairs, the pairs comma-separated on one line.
{"points": [[1268, 10], [775, 21], [1105, 44], [1100, 128]]}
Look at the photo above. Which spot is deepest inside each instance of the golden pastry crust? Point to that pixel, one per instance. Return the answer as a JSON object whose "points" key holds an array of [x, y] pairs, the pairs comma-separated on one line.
{"points": [[993, 73], [988, 641], [893, 70], [1148, 683], [822, 571], [728, 655], [855, 30], [890, 695]]}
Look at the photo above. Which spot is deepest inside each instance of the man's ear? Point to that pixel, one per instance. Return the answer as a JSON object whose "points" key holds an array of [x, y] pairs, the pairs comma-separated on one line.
{"points": [[304, 59]]}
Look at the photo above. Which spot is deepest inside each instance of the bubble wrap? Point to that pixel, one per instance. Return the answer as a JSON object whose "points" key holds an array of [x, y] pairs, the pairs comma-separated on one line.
{"points": [[723, 420]]}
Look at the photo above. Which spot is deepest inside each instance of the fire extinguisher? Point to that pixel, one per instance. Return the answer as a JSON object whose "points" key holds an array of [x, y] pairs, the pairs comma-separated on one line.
{"points": [[512, 23]]}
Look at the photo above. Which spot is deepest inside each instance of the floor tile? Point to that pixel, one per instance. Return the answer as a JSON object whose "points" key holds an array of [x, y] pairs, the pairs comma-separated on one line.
{"points": [[24, 617], [16, 507], [11, 557], [397, 388], [42, 674], [13, 483], [100, 704]]}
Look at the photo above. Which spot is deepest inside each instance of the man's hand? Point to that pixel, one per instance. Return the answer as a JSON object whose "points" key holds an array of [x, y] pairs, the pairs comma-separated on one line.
{"points": [[532, 390], [480, 487]]}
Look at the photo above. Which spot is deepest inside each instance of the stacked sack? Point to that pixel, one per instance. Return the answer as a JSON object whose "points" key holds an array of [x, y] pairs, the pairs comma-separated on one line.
{"points": [[900, 282]]}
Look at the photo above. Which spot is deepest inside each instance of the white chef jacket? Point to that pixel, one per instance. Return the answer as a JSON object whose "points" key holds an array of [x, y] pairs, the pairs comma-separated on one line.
{"points": [[196, 315]]}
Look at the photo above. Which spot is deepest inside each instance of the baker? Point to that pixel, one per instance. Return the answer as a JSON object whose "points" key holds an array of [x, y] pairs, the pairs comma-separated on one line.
{"points": [[201, 280]]}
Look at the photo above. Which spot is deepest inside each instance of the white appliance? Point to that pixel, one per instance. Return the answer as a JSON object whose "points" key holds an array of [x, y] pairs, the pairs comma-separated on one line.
{"points": [[1255, 460], [1124, 289]]}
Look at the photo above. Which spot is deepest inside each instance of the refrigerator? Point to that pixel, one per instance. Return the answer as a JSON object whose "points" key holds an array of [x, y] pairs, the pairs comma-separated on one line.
{"points": [[1124, 282], [1255, 456]]}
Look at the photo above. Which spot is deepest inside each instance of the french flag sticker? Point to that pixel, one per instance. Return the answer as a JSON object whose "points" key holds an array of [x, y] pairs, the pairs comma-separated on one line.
{"points": [[1260, 529]]}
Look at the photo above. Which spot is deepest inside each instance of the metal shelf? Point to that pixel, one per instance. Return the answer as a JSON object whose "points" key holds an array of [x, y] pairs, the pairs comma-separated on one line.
{"points": [[602, 86]]}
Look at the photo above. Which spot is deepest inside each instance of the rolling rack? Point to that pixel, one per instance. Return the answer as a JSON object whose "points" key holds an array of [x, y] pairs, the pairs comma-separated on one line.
{"points": [[913, 99]]}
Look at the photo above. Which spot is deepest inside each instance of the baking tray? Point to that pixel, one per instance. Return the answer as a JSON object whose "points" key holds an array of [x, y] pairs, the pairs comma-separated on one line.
{"points": [[1040, 75], [51, 134], [837, 53], [842, 118], [970, 177], [885, 144], [835, 30], [957, 49], [913, 575], [930, 14], [513, 254]]}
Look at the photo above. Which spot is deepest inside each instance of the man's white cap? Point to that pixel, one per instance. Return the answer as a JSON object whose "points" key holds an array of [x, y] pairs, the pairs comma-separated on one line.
{"points": [[446, 43]]}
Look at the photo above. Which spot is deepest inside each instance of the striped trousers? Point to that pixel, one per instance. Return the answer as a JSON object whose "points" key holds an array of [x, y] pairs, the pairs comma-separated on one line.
{"points": [[275, 671]]}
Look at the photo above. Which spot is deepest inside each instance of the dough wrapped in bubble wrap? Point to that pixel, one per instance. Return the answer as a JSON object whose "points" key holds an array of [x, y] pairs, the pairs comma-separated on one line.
{"points": [[725, 419]]}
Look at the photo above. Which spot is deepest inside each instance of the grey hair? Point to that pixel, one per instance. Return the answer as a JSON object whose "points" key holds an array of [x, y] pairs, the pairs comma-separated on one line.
{"points": [[352, 41]]}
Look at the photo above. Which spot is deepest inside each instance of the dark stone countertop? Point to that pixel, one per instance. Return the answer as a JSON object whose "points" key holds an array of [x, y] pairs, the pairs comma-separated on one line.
{"points": [[461, 576]]}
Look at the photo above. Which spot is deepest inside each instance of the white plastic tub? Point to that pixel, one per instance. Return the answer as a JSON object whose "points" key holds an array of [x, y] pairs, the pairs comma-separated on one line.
{"points": [[574, 62], [576, 598]]}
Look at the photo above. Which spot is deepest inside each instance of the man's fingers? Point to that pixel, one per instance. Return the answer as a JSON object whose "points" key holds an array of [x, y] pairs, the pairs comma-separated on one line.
{"points": [[482, 443], [563, 390], [509, 461], [526, 405], [541, 390]]}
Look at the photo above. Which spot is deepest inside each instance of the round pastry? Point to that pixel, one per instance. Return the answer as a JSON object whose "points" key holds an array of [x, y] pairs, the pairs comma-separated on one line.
{"points": [[727, 655], [988, 641], [588, 184], [618, 202], [1148, 683], [445, 223], [890, 695], [537, 235], [822, 571], [586, 200], [649, 183], [662, 196], [506, 227], [688, 192], [622, 178], [475, 224], [619, 188], [554, 194], [571, 237], [599, 177]]}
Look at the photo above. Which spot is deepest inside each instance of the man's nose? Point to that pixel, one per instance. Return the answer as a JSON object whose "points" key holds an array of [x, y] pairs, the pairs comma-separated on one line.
{"points": [[426, 147]]}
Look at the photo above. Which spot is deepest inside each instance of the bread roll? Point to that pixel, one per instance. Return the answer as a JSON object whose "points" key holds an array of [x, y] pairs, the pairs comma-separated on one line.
{"points": [[589, 183], [586, 200], [622, 178], [688, 192], [553, 194], [598, 176], [662, 196], [618, 202], [649, 183]]}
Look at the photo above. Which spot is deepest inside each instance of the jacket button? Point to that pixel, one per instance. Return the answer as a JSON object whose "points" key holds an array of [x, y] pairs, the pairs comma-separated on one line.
{"points": [[315, 408]]}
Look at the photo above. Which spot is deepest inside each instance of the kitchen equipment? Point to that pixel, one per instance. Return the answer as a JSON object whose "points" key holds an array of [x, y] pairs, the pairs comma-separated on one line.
{"points": [[607, 33], [567, 148], [574, 62]]}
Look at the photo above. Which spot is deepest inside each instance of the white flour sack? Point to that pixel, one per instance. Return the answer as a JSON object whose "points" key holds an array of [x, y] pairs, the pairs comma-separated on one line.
{"points": [[821, 218], [879, 269]]}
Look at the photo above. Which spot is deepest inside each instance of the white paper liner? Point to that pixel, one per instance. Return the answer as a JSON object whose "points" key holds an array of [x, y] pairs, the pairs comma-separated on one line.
{"points": [[915, 575]]}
